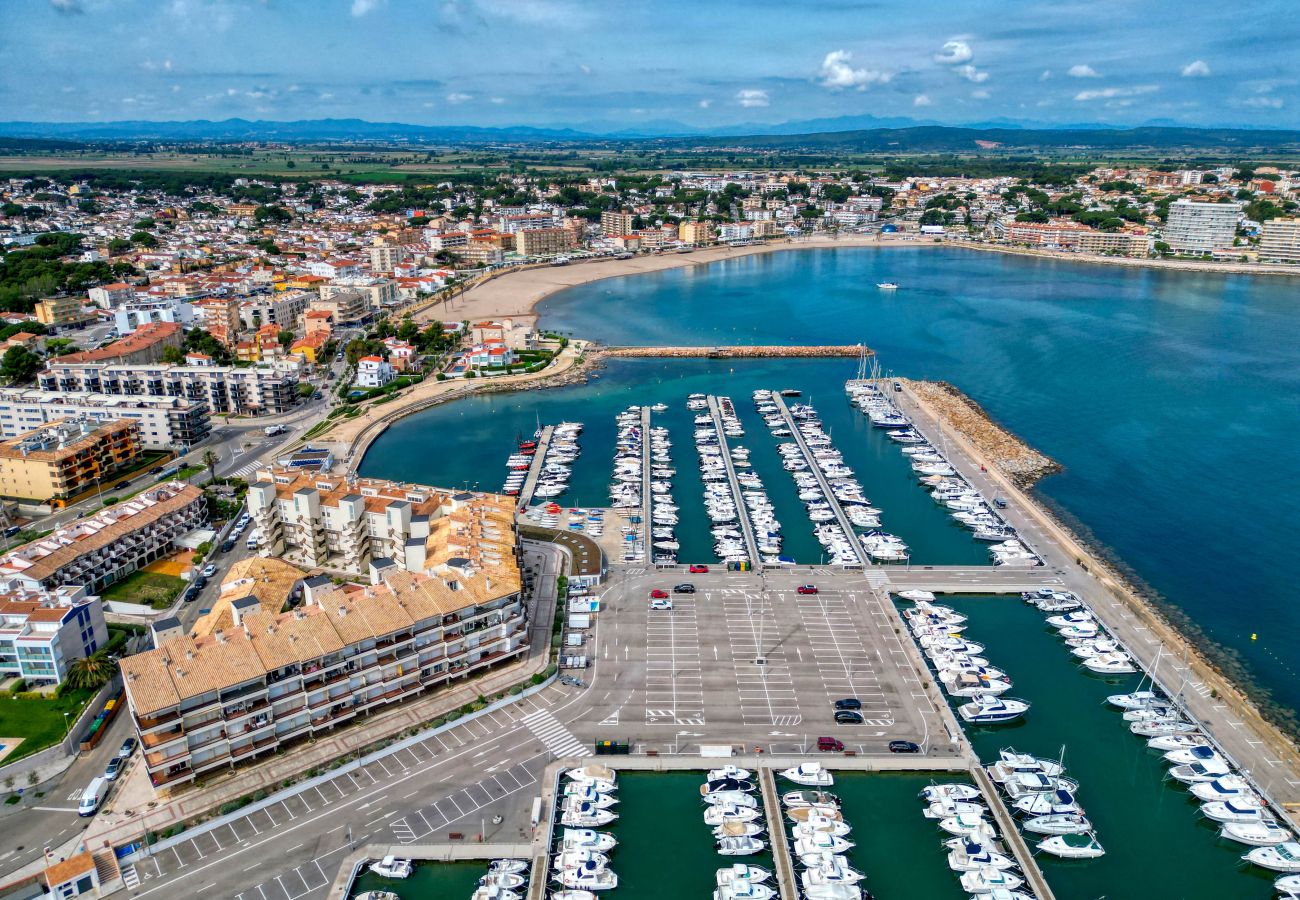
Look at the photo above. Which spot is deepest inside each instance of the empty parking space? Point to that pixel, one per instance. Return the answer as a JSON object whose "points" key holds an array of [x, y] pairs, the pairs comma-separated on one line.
{"points": [[764, 680], [845, 663], [674, 685]]}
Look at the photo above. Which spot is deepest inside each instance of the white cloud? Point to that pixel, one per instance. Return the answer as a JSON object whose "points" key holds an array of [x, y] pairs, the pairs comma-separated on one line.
{"points": [[1113, 92], [1197, 68], [1265, 102], [497, 100], [584, 68], [705, 104], [1046, 75], [954, 52], [970, 73], [1083, 70], [922, 100], [752, 98], [837, 73], [981, 94], [458, 97], [364, 7]]}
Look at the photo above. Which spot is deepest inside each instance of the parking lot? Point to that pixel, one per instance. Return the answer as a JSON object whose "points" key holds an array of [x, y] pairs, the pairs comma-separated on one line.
{"points": [[747, 658]]}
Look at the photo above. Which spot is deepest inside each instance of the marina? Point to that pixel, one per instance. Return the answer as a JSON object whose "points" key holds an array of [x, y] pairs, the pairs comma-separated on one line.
{"points": [[724, 456]]}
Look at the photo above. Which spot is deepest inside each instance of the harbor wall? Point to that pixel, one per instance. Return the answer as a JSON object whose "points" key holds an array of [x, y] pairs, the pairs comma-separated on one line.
{"points": [[740, 352]]}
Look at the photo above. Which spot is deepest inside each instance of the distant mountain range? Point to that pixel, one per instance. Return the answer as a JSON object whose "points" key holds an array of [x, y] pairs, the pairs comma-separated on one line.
{"points": [[844, 133]]}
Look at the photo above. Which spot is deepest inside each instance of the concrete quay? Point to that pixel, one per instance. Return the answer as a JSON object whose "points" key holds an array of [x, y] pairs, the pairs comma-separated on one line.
{"points": [[1223, 712], [737, 496], [535, 467], [739, 352]]}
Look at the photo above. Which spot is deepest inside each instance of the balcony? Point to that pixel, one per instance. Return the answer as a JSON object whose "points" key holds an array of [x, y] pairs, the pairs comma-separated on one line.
{"points": [[156, 739], [220, 759], [238, 713], [183, 773], [161, 758], [253, 748]]}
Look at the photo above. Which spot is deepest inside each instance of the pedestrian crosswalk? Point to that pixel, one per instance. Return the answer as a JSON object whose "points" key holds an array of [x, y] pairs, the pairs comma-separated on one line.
{"points": [[245, 470], [558, 739]]}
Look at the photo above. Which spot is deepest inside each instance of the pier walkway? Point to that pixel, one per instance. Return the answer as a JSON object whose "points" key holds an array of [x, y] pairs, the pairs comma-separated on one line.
{"points": [[535, 467], [1011, 837], [742, 511], [1209, 698], [834, 501], [970, 579], [787, 885], [647, 499], [738, 352]]}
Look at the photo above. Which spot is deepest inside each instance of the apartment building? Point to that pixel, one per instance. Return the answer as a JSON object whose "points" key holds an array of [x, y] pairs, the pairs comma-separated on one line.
{"points": [[131, 317], [281, 309], [107, 296], [264, 389], [43, 632], [386, 257], [379, 293], [145, 345], [229, 694], [104, 548], [697, 232], [60, 312], [166, 423], [373, 372], [544, 241], [332, 522], [344, 307], [481, 252], [1125, 243], [66, 457], [1279, 241], [220, 317], [616, 224], [1196, 226], [452, 241]]}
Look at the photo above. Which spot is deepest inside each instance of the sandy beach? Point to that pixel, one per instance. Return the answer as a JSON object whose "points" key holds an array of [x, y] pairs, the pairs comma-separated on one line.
{"points": [[515, 293]]}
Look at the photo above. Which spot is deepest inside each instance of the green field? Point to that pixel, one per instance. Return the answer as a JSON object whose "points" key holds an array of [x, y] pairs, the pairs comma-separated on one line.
{"points": [[39, 722], [146, 588]]}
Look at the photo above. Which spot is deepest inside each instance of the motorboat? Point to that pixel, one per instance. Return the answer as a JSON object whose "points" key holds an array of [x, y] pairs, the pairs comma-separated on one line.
{"points": [[942, 809], [1168, 742], [1073, 846], [972, 827], [588, 879], [733, 772], [587, 839], [812, 826], [794, 799], [740, 846], [1288, 886], [1024, 783], [986, 878], [1060, 823], [1256, 834], [811, 774], [378, 895], [592, 772], [1282, 857], [506, 880], [392, 867], [492, 892], [1240, 810], [738, 829], [716, 815], [508, 867], [593, 792], [1191, 773], [815, 845], [1229, 787], [584, 815], [1161, 727], [1203, 753], [1051, 803], [985, 710], [742, 872], [830, 869], [727, 785], [1136, 699], [972, 684], [949, 792], [1110, 664], [744, 890], [576, 859], [730, 798], [813, 813], [834, 891]]}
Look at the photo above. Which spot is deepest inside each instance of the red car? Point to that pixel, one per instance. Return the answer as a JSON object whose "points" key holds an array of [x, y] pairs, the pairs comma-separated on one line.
{"points": [[658, 594], [807, 589], [698, 569]]}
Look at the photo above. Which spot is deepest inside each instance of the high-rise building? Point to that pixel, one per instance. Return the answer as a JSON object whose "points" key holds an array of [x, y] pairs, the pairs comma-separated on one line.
{"points": [[1279, 241], [1196, 226], [616, 224], [386, 257], [67, 457], [544, 241]]}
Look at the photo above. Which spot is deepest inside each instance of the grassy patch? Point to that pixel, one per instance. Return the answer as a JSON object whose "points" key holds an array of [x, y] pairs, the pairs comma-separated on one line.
{"points": [[146, 588], [39, 722], [186, 472]]}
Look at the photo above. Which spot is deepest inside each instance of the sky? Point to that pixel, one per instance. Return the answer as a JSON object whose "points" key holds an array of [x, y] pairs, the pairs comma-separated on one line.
{"points": [[625, 63]]}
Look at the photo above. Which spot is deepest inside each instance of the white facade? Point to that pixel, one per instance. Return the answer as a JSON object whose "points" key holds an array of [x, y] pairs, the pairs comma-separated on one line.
{"points": [[165, 422], [1200, 227], [1279, 241], [373, 372], [38, 645]]}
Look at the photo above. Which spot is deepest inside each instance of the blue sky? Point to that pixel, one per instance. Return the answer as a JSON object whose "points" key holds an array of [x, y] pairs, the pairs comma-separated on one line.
{"points": [[624, 62]]}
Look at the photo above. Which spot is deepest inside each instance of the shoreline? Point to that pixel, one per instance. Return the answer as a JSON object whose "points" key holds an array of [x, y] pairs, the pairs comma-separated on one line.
{"points": [[1153, 616], [516, 294]]}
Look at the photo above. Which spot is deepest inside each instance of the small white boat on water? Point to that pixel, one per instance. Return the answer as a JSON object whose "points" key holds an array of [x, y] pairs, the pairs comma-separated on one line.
{"points": [[1256, 834], [812, 826], [506, 880], [1061, 823], [740, 846], [814, 813], [591, 879], [1282, 857], [744, 890], [1168, 742], [986, 878], [985, 710], [730, 798], [1191, 773], [942, 809], [1203, 753], [1072, 846], [1049, 803], [492, 892], [1011, 761], [812, 846], [836, 891], [972, 827], [378, 895], [733, 772], [584, 815], [1236, 811], [1231, 787], [1136, 699], [796, 799], [971, 856], [572, 895], [949, 792], [742, 872], [586, 839], [1287, 885], [579, 859], [717, 815], [392, 867], [592, 772], [811, 774]]}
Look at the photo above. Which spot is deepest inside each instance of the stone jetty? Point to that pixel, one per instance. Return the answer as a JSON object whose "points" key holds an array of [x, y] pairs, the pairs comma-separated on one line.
{"points": [[740, 352]]}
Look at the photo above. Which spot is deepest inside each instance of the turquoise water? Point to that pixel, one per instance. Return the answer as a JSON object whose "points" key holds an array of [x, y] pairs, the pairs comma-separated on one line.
{"points": [[1171, 398], [1156, 843]]}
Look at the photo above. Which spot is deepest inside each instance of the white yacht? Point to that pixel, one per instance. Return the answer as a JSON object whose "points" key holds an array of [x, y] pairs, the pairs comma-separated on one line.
{"points": [[1061, 823], [392, 867], [1051, 803], [584, 815], [716, 815], [812, 847], [742, 872], [987, 878], [744, 890], [592, 772], [504, 880], [1202, 754], [972, 827], [942, 809], [1191, 773], [493, 892], [949, 792], [1230, 787], [578, 859], [740, 846], [1072, 846], [986, 710], [971, 855], [1168, 742], [734, 772], [731, 798], [795, 799], [588, 879], [587, 839], [811, 774], [814, 825], [737, 829], [508, 867], [1284, 857], [1256, 834], [1238, 811]]}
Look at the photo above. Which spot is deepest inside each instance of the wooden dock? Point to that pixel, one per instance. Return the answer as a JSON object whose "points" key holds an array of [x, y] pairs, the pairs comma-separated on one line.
{"points": [[1011, 837], [787, 884], [737, 497], [535, 467], [741, 352]]}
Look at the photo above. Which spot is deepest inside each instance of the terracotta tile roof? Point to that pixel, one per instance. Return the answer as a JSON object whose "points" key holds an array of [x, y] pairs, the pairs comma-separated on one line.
{"points": [[68, 869]]}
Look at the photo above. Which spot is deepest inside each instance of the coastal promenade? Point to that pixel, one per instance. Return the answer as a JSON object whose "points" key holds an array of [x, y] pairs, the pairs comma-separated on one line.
{"points": [[1224, 713]]}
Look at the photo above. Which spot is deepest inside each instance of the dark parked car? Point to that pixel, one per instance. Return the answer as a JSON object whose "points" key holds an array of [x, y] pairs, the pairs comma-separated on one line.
{"points": [[227, 546], [848, 703], [848, 717], [157, 470], [684, 589], [903, 747], [829, 744], [122, 485]]}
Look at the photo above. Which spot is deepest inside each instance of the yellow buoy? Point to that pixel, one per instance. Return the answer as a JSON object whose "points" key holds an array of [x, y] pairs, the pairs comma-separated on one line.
{"points": [[1252, 637]]}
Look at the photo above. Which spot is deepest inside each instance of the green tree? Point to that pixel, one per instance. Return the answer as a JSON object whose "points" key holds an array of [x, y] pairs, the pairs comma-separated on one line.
{"points": [[285, 337], [90, 672], [210, 460], [59, 346], [144, 239], [19, 365], [173, 355]]}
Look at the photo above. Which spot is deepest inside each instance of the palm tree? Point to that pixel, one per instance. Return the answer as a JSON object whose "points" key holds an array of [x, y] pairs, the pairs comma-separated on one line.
{"points": [[210, 459], [90, 672]]}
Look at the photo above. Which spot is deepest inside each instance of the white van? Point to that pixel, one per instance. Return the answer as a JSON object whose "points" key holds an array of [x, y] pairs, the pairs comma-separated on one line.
{"points": [[93, 796]]}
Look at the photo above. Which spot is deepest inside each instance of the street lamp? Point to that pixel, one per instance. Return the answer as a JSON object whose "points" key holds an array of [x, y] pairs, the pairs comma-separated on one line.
{"points": [[67, 723]]}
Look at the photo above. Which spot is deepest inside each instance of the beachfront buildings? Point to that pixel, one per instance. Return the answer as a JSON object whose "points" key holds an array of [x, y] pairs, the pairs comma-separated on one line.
{"points": [[616, 224], [1279, 241], [66, 458], [545, 241], [97, 551], [1200, 227], [43, 632], [443, 602], [166, 423], [264, 389], [374, 372]]}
